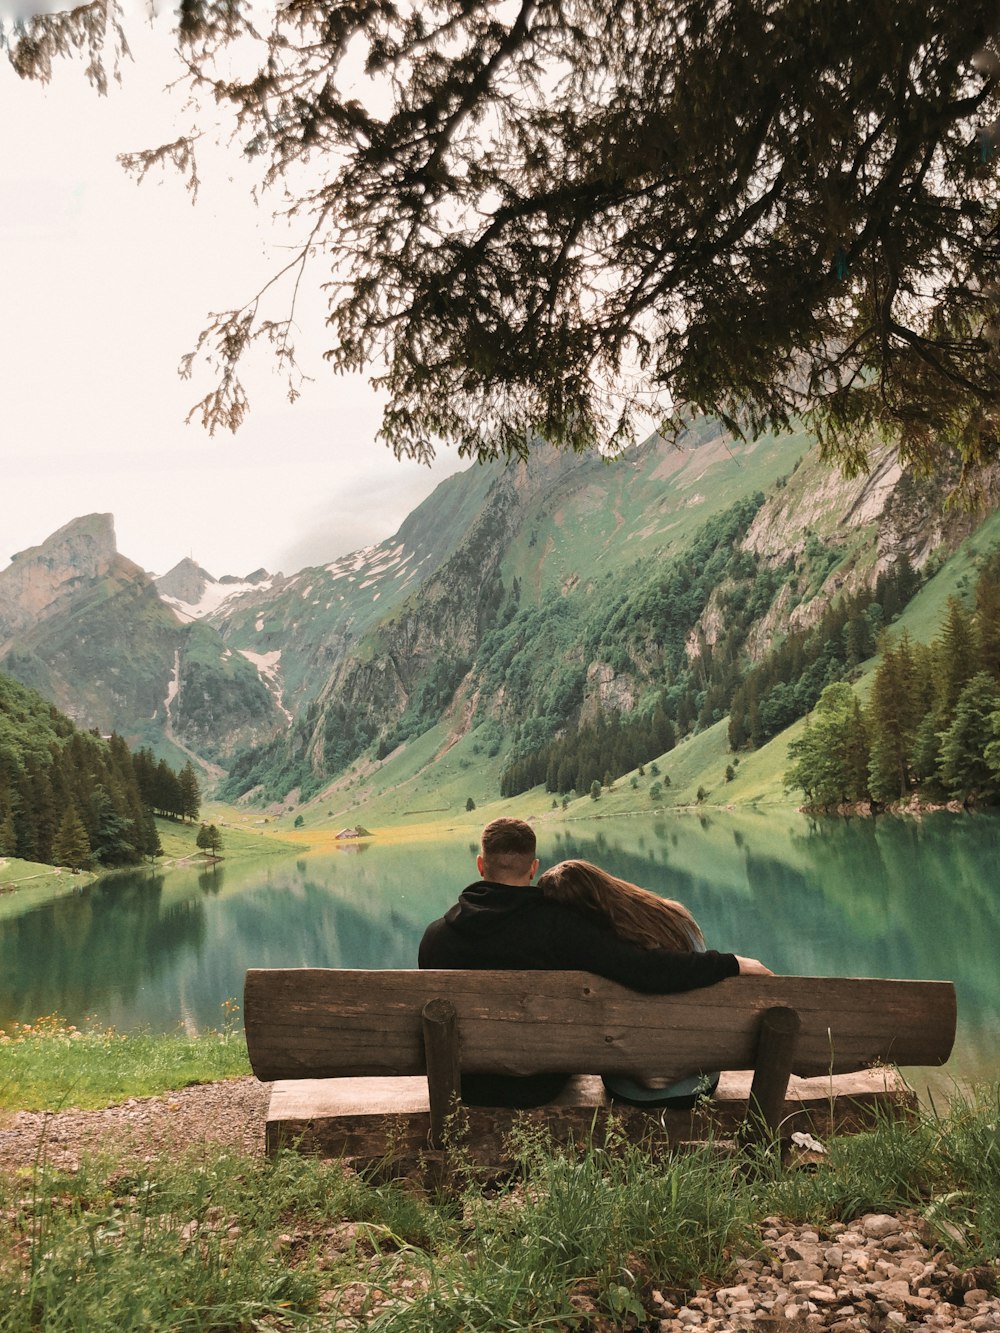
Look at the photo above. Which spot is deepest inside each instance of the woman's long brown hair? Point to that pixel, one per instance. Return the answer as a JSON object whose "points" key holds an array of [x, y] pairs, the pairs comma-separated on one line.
{"points": [[633, 914]]}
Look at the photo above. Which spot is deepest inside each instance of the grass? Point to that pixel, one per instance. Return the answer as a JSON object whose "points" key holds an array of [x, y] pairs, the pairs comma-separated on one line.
{"points": [[240, 838], [576, 1237], [27, 884], [49, 1064]]}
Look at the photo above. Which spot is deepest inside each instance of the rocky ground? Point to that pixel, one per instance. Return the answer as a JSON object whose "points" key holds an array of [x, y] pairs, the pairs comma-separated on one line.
{"points": [[877, 1274]]}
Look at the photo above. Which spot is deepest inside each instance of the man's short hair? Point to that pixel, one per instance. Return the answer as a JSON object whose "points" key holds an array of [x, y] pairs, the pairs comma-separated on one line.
{"points": [[508, 846]]}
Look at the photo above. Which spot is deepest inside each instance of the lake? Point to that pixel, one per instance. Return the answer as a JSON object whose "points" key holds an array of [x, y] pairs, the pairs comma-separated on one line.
{"points": [[890, 897]]}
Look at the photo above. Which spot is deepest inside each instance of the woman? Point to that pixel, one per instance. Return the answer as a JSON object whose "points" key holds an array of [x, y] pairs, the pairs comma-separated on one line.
{"points": [[642, 918]]}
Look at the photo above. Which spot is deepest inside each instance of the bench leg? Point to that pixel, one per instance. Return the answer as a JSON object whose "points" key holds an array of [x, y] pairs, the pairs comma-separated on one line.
{"points": [[443, 1068], [777, 1035]]}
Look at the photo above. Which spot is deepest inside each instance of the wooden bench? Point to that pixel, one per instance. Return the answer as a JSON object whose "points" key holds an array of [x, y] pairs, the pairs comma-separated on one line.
{"points": [[362, 1059]]}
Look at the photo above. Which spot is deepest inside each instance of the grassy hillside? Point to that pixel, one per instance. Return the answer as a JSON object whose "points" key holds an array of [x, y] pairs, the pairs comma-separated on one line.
{"points": [[432, 777], [649, 502]]}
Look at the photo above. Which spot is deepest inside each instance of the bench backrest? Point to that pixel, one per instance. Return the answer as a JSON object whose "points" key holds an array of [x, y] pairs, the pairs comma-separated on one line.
{"points": [[326, 1023]]}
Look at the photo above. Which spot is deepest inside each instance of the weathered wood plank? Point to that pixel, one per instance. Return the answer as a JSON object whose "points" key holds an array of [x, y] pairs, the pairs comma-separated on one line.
{"points": [[444, 1075], [362, 1118], [776, 1041], [320, 1023]]}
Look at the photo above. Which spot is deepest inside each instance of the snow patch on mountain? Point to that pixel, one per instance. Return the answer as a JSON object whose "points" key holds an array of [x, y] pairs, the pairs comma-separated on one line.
{"points": [[214, 595], [268, 667]]}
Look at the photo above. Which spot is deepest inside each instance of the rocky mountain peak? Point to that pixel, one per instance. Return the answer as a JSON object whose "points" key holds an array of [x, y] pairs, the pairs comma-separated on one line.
{"points": [[187, 581], [88, 543], [42, 579]]}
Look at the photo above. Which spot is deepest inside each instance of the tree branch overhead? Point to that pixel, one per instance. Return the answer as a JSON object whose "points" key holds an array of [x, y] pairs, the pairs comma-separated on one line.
{"points": [[550, 218]]}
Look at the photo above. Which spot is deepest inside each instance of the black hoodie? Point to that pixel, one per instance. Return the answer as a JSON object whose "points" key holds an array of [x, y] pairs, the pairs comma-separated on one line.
{"points": [[507, 926]]}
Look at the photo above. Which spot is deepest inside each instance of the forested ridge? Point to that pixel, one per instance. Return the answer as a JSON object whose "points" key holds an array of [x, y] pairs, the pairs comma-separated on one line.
{"points": [[931, 724], [74, 798], [593, 677], [647, 623]]}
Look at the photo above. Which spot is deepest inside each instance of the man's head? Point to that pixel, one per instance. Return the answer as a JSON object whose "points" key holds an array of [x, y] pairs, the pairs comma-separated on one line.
{"points": [[508, 855]]}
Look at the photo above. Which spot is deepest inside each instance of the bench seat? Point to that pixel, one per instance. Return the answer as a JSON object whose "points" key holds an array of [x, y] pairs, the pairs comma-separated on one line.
{"points": [[365, 1060], [356, 1119]]}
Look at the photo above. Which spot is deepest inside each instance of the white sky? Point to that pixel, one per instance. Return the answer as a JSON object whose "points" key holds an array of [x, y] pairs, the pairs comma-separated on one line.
{"points": [[104, 285]]}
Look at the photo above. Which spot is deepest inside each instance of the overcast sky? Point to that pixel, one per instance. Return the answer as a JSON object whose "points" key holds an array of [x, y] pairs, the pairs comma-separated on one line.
{"points": [[105, 284]]}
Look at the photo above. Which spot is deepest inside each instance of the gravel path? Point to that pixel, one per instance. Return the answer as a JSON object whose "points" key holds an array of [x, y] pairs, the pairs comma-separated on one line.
{"points": [[230, 1112]]}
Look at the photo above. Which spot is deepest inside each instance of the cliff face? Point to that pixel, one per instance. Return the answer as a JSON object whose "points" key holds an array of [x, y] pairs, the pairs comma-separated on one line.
{"points": [[416, 658], [44, 580], [895, 512]]}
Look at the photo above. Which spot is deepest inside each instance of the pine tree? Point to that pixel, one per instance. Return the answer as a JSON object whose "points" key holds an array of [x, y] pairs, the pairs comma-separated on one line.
{"points": [[965, 771], [190, 793], [71, 846], [987, 616], [8, 834], [150, 844], [113, 836], [893, 718], [546, 216], [209, 839], [956, 659], [831, 756]]}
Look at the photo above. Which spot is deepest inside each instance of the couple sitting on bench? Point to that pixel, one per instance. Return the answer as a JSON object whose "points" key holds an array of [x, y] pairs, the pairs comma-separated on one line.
{"points": [[577, 918]]}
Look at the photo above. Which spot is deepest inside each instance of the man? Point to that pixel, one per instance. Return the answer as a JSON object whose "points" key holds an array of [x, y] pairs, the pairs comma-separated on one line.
{"points": [[504, 922]]}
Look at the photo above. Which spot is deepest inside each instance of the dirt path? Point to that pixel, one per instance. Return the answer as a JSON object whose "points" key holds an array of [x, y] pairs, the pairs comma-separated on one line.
{"points": [[230, 1112]]}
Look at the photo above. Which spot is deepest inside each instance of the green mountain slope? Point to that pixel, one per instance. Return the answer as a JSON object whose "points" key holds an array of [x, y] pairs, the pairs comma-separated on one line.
{"points": [[640, 590], [552, 622]]}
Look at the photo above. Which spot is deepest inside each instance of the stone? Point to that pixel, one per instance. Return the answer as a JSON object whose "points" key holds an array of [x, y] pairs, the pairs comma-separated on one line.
{"points": [[877, 1226], [849, 1237], [920, 1304], [895, 1290], [727, 1295], [798, 1270], [801, 1249], [976, 1296], [896, 1243], [823, 1295]]}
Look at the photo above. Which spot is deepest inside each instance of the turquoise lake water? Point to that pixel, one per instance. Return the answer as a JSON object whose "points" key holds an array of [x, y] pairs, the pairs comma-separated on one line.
{"points": [[881, 898]]}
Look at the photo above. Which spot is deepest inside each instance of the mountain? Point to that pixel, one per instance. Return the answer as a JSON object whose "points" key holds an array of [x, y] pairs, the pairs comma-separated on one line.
{"points": [[579, 588], [194, 594], [90, 631], [518, 612]]}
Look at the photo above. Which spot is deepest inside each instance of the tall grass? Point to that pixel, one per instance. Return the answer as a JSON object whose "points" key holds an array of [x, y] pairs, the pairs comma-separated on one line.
{"points": [[575, 1237]]}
